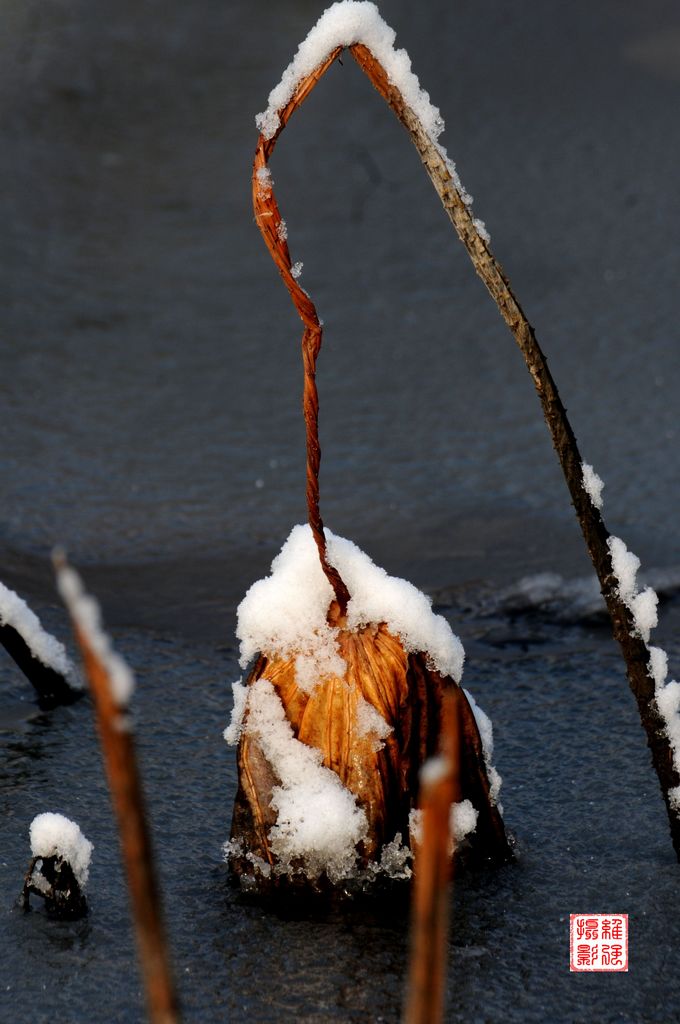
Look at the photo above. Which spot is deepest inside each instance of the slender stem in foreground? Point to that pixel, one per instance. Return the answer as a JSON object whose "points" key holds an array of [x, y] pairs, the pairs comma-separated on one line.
{"points": [[432, 872], [118, 751], [634, 650]]}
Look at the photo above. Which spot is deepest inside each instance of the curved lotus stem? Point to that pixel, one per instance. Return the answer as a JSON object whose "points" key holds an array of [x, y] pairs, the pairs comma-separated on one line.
{"points": [[270, 224], [634, 650]]}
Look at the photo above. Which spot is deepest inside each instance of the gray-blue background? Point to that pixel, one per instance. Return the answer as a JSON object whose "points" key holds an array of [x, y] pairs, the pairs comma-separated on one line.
{"points": [[149, 401]]}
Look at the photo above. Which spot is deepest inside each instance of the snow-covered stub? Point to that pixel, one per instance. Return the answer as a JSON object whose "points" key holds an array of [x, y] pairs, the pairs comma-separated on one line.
{"points": [[54, 835], [14, 612], [60, 865], [336, 719]]}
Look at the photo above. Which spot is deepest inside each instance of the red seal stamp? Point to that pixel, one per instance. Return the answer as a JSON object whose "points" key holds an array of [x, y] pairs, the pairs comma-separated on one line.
{"points": [[598, 942]]}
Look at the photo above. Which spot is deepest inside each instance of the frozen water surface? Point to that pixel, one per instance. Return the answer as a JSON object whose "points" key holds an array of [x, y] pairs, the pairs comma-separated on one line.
{"points": [[149, 399]]}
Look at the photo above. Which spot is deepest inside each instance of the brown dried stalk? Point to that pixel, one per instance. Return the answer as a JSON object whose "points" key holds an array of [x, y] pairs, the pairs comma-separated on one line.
{"points": [[270, 224], [595, 533], [433, 868], [118, 750]]}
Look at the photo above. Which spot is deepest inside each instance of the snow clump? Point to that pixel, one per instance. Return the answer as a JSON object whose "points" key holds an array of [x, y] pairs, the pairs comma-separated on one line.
{"points": [[643, 604], [319, 821], [53, 835], [285, 614], [593, 484]]}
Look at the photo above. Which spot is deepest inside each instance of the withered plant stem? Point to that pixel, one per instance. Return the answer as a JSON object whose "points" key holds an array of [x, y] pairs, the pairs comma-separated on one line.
{"points": [[270, 224], [52, 688], [433, 867], [634, 650], [118, 751]]}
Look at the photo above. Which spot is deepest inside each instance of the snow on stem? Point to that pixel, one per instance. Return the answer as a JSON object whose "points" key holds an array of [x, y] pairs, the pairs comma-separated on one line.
{"points": [[39, 655], [111, 686], [358, 26]]}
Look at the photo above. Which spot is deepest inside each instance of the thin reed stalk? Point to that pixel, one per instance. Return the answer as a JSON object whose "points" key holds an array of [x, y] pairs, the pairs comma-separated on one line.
{"points": [[118, 750], [433, 868]]}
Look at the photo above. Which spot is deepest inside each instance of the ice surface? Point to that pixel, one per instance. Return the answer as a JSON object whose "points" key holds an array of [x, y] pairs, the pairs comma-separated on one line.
{"points": [[47, 649], [86, 615], [55, 835], [285, 613]]}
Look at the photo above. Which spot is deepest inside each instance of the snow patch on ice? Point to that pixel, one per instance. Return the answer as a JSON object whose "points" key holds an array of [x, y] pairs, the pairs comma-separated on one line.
{"points": [[53, 835]]}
